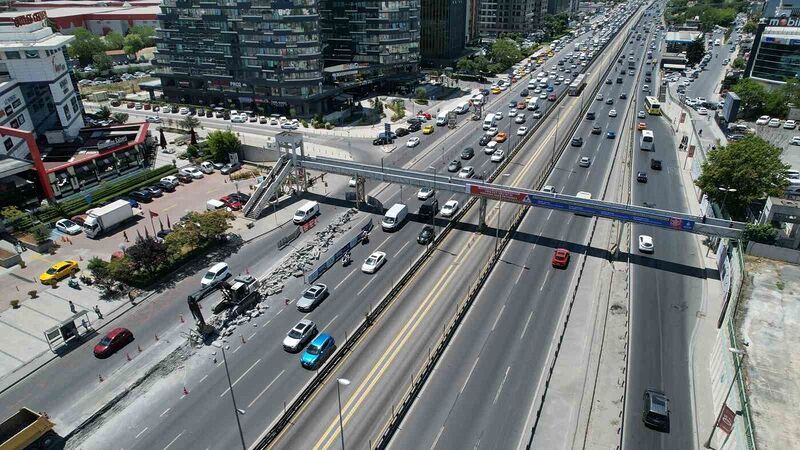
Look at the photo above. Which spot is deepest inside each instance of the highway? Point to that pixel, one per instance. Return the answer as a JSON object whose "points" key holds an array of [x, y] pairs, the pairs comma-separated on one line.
{"points": [[264, 376], [666, 292], [382, 367]]}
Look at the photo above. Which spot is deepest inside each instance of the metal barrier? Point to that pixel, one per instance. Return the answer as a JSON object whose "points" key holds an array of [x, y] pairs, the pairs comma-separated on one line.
{"points": [[322, 268]]}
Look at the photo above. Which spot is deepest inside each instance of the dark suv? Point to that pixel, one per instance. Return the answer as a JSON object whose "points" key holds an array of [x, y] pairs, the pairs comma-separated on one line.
{"points": [[656, 410], [590, 115]]}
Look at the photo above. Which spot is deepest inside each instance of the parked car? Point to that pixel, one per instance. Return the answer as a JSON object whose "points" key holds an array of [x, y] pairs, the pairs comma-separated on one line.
{"points": [[59, 271], [154, 190], [230, 168], [69, 227], [112, 342], [141, 196], [231, 203], [184, 178], [164, 186], [193, 172]]}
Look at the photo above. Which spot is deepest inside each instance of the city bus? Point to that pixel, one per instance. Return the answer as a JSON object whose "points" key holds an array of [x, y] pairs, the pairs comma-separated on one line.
{"points": [[652, 106], [646, 143], [577, 85]]}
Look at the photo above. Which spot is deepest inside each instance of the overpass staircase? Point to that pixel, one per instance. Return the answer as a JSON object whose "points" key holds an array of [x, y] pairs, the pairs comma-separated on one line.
{"points": [[268, 187]]}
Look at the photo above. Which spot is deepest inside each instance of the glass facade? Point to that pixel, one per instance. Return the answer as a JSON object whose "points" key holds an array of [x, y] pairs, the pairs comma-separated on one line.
{"points": [[509, 16], [443, 29], [778, 57]]}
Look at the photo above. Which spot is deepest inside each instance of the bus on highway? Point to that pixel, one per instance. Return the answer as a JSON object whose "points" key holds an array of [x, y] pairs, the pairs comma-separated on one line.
{"points": [[652, 106], [577, 85], [646, 143]]}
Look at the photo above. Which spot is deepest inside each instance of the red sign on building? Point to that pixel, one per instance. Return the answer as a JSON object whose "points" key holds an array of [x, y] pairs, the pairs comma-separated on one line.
{"points": [[726, 419], [26, 19]]}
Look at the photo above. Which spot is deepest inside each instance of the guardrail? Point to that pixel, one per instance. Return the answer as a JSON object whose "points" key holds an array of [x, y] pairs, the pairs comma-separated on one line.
{"points": [[371, 317], [418, 381]]}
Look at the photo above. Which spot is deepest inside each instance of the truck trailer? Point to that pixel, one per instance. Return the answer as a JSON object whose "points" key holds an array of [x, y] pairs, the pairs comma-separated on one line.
{"points": [[27, 429], [101, 220]]}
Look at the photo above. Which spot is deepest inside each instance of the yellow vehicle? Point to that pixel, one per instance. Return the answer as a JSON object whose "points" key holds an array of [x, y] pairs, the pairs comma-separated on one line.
{"points": [[26, 429], [59, 271], [549, 54], [427, 129], [496, 90]]}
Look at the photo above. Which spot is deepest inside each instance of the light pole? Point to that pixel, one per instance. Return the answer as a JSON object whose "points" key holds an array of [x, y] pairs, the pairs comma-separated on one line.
{"points": [[341, 382], [737, 372], [236, 410], [726, 190]]}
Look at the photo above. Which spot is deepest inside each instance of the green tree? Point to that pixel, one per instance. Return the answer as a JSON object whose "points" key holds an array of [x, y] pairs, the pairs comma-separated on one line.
{"points": [[752, 166], [100, 272], [145, 33], [85, 45], [505, 52], [119, 117], [102, 62], [189, 123], [133, 43], [775, 103], [791, 90], [114, 40], [221, 143], [750, 27], [752, 95], [103, 113], [147, 255], [738, 63], [420, 93], [764, 233], [696, 50], [212, 225]]}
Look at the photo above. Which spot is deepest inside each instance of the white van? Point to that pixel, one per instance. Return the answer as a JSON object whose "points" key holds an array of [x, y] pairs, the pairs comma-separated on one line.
{"points": [[394, 217], [218, 272], [488, 122], [213, 205], [462, 108], [305, 212], [441, 119]]}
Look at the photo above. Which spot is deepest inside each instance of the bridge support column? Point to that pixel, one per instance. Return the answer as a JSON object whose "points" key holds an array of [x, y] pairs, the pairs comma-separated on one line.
{"points": [[361, 192], [482, 213]]}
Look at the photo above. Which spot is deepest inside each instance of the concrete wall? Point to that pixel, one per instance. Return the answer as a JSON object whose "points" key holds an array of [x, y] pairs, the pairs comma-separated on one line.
{"points": [[254, 154], [773, 252]]}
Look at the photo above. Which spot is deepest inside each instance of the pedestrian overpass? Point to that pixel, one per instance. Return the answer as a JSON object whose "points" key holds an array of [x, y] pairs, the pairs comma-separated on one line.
{"points": [[292, 158]]}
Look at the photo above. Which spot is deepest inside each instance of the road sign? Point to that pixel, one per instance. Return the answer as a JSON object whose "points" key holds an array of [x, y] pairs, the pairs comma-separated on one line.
{"points": [[726, 419]]}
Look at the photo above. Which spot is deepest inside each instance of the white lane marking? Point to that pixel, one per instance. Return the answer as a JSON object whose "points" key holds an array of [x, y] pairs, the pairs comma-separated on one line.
{"points": [[519, 277], [237, 349], [165, 411], [401, 248], [266, 388], [241, 376], [343, 280], [329, 323], [205, 376], [251, 336], [546, 275], [173, 441], [366, 285], [475, 364], [383, 242], [436, 441], [142, 432], [500, 389], [527, 322], [498, 317]]}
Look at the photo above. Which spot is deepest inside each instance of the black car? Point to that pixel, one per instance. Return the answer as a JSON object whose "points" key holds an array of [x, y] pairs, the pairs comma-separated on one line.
{"points": [[164, 186], [241, 197], [154, 190], [512, 104], [655, 164], [623, 96], [609, 101], [401, 132], [411, 120], [184, 178], [576, 142], [467, 153], [647, 79], [381, 141], [596, 129], [656, 410], [426, 235], [524, 93], [414, 127], [641, 176], [485, 139], [141, 196], [454, 166], [608, 81], [590, 115]]}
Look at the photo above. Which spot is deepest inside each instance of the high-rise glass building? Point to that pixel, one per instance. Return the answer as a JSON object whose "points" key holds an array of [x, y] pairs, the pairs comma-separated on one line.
{"points": [[443, 29], [509, 16]]}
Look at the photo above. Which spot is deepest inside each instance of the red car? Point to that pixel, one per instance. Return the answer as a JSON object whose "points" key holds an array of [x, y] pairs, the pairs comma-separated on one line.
{"points": [[561, 258], [427, 115], [551, 97], [231, 202], [113, 341]]}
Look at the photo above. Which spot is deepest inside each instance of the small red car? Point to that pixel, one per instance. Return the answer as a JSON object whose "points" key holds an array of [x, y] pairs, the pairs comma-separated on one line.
{"points": [[113, 341], [427, 115], [551, 97], [231, 202], [561, 258]]}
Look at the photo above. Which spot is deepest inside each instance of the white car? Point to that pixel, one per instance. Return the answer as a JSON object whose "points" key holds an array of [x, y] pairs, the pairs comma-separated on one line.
{"points": [[537, 115], [585, 161], [641, 115], [490, 147], [312, 297], [412, 142], [193, 172], [520, 118], [521, 131], [795, 141], [299, 336], [789, 124], [450, 208], [646, 88], [645, 244], [492, 132], [152, 119], [425, 193], [352, 182], [702, 111], [763, 120], [183, 111], [172, 180], [774, 123], [550, 189], [374, 262], [599, 97], [67, 226], [498, 156], [498, 115], [543, 95], [612, 113], [466, 172], [512, 113]]}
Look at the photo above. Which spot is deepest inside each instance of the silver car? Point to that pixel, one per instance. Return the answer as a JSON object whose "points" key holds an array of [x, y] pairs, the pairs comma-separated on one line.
{"points": [[312, 297], [300, 335]]}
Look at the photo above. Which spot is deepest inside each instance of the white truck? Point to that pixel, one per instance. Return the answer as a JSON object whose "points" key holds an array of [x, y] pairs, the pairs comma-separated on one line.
{"points": [[441, 119], [103, 219]]}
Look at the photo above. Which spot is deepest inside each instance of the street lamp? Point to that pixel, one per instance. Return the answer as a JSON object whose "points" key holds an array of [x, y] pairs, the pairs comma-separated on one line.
{"points": [[341, 382], [236, 410], [737, 362], [726, 190]]}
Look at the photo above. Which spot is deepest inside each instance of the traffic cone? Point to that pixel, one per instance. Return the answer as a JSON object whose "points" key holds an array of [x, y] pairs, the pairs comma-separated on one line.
{"points": [[100, 377], [185, 391]]}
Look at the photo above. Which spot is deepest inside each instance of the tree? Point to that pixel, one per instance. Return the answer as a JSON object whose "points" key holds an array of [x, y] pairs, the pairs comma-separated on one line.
{"points": [[420, 93], [764, 233], [212, 225], [752, 166], [505, 52], [114, 40], [119, 117], [775, 104], [147, 255], [220, 143], [465, 65], [750, 27], [102, 62], [189, 123], [133, 43], [145, 33], [85, 45], [100, 271], [752, 95], [738, 63], [696, 50], [103, 113]]}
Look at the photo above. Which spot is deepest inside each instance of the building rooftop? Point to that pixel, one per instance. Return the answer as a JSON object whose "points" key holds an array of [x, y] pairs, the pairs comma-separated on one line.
{"points": [[682, 37], [93, 143]]}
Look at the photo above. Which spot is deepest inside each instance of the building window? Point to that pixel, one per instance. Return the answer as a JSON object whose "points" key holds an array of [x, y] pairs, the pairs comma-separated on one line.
{"points": [[16, 103], [67, 114], [12, 55], [75, 105], [8, 144], [21, 119], [31, 54]]}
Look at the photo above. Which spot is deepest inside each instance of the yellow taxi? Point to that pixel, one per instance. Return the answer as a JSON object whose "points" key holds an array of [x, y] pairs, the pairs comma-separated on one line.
{"points": [[59, 271], [496, 90], [501, 137], [427, 129]]}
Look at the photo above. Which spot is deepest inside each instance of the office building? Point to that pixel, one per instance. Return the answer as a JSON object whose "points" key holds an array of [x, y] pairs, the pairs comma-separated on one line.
{"points": [[558, 6], [509, 16], [443, 30], [775, 55], [100, 20]]}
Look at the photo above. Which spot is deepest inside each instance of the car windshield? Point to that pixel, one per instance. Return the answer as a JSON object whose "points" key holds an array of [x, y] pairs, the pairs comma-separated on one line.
{"points": [[295, 334], [68, 223], [105, 341], [209, 275], [309, 294], [52, 271], [313, 350], [371, 260]]}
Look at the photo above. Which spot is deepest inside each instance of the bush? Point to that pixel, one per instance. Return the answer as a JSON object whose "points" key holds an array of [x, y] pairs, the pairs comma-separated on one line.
{"points": [[328, 126], [304, 123], [40, 233], [764, 233], [245, 174]]}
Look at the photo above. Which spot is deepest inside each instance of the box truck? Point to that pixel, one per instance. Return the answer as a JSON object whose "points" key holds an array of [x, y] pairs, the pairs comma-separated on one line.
{"points": [[101, 220]]}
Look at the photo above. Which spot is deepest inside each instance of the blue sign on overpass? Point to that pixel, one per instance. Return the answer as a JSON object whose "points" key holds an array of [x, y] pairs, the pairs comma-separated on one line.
{"points": [[675, 223]]}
